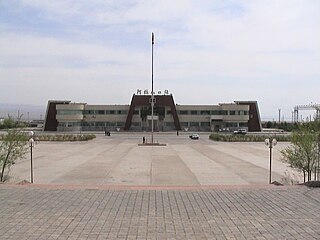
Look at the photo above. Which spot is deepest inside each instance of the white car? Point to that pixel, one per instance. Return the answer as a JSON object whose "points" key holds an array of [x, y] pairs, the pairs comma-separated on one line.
{"points": [[194, 136], [240, 131]]}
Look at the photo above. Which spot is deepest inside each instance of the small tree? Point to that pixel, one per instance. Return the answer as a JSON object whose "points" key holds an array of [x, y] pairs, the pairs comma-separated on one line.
{"points": [[302, 152], [8, 123], [14, 146]]}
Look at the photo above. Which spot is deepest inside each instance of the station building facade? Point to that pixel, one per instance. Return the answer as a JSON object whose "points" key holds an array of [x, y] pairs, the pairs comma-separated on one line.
{"points": [[168, 116]]}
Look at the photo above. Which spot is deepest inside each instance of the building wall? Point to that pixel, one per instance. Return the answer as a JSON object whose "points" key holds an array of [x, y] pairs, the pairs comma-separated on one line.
{"points": [[222, 117], [51, 122], [202, 117]]}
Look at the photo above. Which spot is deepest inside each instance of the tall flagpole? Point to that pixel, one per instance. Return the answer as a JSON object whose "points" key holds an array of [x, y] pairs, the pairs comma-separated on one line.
{"points": [[152, 95]]}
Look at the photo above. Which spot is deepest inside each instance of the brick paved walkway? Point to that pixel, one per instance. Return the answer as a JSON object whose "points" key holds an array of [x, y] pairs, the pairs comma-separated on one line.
{"points": [[75, 213]]}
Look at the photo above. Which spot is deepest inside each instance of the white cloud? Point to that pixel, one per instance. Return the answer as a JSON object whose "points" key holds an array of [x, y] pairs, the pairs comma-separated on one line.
{"points": [[225, 50]]}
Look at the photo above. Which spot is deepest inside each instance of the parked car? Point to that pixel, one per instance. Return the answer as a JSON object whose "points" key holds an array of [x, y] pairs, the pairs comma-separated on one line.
{"points": [[240, 131], [194, 136], [224, 130]]}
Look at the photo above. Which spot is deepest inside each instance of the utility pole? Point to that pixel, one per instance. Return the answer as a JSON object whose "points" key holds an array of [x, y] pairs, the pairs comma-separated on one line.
{"points": [[279, 115]]}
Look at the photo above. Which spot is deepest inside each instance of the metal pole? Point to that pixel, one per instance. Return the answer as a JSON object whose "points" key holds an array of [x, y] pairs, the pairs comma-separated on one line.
{"points": [[152, 97], [270, 162], [31, 163], [318, 175]]}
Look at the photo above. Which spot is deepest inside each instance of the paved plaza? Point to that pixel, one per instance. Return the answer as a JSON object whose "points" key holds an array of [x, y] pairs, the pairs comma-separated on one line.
{"points": [[118, 160], [69, 212], [112, 188]]}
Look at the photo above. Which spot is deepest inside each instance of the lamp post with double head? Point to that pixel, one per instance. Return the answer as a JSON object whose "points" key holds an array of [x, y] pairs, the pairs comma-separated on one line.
{"points": [[270, 143]]}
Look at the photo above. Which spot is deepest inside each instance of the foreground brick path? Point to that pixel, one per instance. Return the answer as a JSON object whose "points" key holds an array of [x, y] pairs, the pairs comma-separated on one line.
{"points": [[75, 213]]}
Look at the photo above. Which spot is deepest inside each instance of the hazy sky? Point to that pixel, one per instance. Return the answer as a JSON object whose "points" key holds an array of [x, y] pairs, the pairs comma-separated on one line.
{"points": [[205, 52]]}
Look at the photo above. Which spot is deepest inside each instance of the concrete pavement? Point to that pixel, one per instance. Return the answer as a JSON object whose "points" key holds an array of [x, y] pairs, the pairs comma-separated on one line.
{"points": [[110, 188], [119, 160], [76, 212]]}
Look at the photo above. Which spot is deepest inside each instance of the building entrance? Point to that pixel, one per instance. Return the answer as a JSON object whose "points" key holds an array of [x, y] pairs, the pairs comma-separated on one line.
{"points": [[155, 123]]}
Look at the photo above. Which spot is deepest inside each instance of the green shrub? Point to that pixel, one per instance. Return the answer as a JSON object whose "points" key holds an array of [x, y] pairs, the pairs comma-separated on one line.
{"points": [[63, 138], [247, 138]]}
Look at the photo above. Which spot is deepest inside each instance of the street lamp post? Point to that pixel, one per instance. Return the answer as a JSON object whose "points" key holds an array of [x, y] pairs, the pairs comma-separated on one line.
{"points": [[152, 94], [31, 145], [270, 143]]}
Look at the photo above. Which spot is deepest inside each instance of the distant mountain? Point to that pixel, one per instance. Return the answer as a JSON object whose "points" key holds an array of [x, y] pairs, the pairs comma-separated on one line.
{"points": [[35, 111]]}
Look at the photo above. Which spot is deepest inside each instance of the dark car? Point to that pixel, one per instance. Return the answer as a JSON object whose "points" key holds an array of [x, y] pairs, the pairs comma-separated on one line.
{"points": [[194, 136]]}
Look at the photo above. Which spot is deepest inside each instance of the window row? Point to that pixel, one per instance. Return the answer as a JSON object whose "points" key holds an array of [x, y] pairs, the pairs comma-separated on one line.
{"points": [[105, 112], [96, 124], [103, 124], [208, 112], [236, 124], [69, 112], [189, 124]]}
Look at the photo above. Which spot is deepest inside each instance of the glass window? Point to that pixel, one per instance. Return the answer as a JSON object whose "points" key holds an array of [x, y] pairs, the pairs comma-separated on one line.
{"points": [[184, 124], [86, 124], [136, 112], [193, 112], [110, 124], [194, 124], [100, 124], [205, 124], [110, 112], [219, 112], [183, 112], [243, 124], [73, 124], [122, 112], [232, 112], [215, 112], [169, 112], [101, 112], [69, 112], [231, 124], [89, 112], [242, 112], [205, 112]]}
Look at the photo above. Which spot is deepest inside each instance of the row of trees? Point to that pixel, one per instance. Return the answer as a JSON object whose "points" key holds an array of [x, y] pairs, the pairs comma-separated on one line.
{"points": [[303, 153], [286, 126], [8, 123]]}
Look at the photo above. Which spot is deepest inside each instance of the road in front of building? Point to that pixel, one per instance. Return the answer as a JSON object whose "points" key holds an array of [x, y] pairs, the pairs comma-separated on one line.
{"points": [[119, 160]]}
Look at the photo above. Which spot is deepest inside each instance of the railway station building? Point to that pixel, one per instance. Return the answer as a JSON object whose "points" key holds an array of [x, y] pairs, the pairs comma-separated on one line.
{"points": [[168, 116]]}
